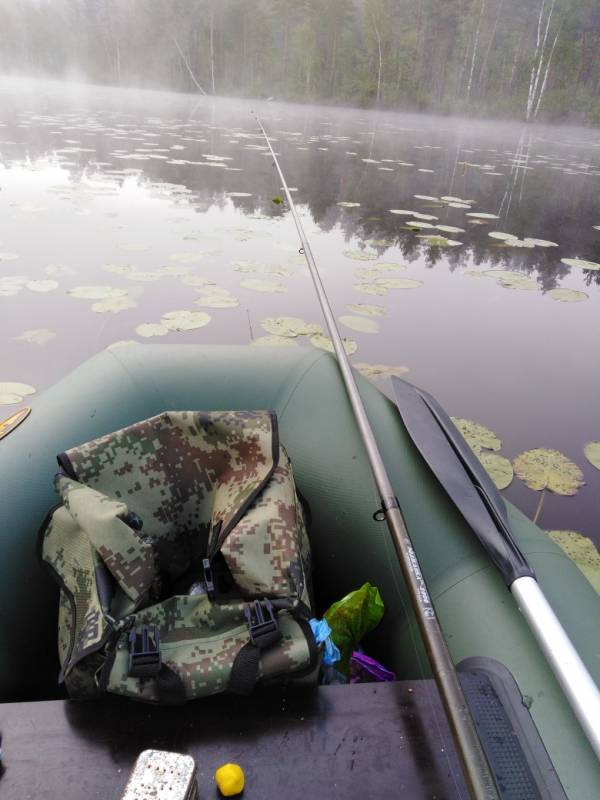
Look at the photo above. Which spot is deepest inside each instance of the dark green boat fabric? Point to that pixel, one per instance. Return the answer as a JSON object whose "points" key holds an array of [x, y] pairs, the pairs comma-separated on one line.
{"points": [[477, 612]]}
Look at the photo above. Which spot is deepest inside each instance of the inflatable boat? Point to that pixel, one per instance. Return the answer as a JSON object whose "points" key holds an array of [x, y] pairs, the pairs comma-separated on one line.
{"points": [[539, 744]]}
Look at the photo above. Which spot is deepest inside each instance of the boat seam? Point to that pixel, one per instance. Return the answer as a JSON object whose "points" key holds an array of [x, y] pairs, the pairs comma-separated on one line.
{"points": [[300, 380]]}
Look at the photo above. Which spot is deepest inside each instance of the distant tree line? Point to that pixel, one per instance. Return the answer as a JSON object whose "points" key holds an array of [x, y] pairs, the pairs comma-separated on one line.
{"points": [[514, 58]]}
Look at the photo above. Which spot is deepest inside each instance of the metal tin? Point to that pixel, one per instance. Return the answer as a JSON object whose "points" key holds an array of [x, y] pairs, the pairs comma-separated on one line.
{"points": [[158, 774]]}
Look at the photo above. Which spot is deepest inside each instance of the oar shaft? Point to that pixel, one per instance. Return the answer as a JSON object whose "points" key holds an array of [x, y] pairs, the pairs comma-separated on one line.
{"points": [[569, 670], [476, 768]]}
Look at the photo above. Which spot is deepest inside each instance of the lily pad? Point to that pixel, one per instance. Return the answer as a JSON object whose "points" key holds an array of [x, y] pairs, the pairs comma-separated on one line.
{"points": [[368, 273], [521, 283], [426, 217], [39, 336], [144, 276], [502, 273], [113, 305], [541, 242], [398, 283], [13, 392], [217, 301], [582, 552], [380, 370], [592, 453], [514, 242], [119, 269], [416, 225], [274, 341], [361, 324], [290, 327], [367, 309], [96, 292], [370, 288], [449, 229], [197, 280], [477, 436], [581, 263], [548, 469], [212, 290], [10, 285], [381, 242], [498, 468], [324, 343], [185, 320], [567, 295], [360, 255], [439, 241], [258, 285], [147, 329], [501, 235], [48, 285]]}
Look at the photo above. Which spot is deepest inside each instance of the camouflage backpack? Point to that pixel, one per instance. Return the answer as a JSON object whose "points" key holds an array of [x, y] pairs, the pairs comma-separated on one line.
{"points": [[181, 551]]}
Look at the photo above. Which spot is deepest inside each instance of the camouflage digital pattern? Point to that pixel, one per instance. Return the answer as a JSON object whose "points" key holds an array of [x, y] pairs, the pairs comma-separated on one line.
{"points": [[201, 483]]}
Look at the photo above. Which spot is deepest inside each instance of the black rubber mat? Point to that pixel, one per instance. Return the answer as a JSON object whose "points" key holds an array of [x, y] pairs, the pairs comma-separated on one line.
{"points": [[516, 754]]}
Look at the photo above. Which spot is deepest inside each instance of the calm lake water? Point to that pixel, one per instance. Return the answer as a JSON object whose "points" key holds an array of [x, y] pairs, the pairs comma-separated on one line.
{"points": [[165, 202]]}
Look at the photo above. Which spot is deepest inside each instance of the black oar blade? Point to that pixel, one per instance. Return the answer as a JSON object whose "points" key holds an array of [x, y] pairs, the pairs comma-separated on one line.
{"points": [[462, 476]]}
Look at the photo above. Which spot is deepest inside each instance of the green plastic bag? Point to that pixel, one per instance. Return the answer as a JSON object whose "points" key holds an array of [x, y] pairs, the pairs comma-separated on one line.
{"points": [[351, 618]]}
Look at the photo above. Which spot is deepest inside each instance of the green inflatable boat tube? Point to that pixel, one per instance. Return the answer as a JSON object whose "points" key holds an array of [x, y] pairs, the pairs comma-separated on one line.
{"points": [[478, 614]]}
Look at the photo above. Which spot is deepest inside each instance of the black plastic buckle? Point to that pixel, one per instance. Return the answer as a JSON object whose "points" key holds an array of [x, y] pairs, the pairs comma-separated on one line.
{"points": [[144, 651], [262, 623], [208, 578]]}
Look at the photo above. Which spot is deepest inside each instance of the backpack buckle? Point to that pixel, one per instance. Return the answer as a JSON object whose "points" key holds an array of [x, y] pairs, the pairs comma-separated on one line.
{"points": [[262, 623], [144, 651], [208, 578]]}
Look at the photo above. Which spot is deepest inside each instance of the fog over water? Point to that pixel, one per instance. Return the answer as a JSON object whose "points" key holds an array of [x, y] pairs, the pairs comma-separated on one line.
{"points": [[167, 200]]}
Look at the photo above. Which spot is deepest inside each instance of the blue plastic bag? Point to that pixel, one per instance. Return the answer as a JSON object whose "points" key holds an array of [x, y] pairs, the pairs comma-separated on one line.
{"points": [[322, 633]]}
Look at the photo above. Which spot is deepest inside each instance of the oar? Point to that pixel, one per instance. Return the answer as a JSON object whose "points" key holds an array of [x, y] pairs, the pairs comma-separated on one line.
{"points": [[469, 487], [477, 771]]}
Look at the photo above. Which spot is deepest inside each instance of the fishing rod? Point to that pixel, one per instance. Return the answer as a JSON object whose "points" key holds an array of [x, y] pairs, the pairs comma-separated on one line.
{"points": [[478, 774]]}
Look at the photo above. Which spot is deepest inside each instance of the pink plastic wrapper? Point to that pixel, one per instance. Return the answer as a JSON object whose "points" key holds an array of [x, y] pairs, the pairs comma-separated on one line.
{"points": [[363, 669]]}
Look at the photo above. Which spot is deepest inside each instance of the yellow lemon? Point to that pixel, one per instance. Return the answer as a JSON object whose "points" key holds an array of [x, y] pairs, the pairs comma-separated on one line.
{"points": [[230, 779]]}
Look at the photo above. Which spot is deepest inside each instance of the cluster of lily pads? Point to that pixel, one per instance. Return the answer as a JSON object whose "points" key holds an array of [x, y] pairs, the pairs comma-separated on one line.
{"points": [[510, 279], [541, 470], [374, 279]]}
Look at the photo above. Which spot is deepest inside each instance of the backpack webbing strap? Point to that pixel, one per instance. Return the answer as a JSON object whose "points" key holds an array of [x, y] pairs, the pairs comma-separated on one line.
{"points": [[169, 686], [245, 669], [263, 628]]}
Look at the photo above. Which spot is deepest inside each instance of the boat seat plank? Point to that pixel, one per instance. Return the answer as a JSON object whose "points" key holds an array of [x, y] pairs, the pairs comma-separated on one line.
{"points": [[352, 741]]}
